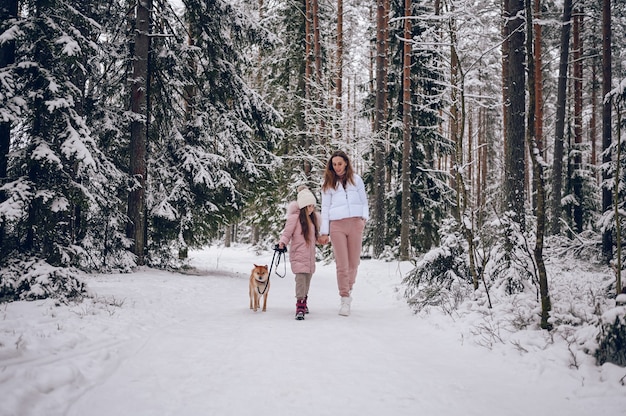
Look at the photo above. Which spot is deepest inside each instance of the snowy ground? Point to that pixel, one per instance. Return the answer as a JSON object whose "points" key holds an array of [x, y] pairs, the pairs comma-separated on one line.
{"points": [[158, 343]]}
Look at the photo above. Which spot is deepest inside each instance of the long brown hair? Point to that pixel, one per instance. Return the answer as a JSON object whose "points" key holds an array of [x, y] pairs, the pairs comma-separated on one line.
{"points": [[304, 223], [330, 176]]}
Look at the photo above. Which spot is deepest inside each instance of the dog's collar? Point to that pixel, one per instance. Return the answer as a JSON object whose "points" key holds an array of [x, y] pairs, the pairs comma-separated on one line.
{"points": [[267, 282]]}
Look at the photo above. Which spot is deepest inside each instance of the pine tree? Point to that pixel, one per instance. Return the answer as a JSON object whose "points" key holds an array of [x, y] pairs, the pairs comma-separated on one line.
{"points": [[557, 165], [8, 12], [54, 179], [429, 195], [607, 238], [205, 158], [515, 131]]}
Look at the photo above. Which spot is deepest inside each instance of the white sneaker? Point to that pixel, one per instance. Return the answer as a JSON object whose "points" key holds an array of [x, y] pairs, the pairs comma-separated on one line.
{"points": [[344, 310]]}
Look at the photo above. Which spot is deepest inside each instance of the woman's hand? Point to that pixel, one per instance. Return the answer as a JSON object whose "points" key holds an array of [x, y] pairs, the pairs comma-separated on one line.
{"points": [[323, 239]]}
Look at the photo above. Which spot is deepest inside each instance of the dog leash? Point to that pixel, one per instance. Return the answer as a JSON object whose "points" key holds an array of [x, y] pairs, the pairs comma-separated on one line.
{"points": [[267, 283], [281, 253]]}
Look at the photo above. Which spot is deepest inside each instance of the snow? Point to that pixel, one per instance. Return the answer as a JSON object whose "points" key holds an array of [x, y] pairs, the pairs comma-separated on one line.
{"points": [[43, 152], [162, 343]]}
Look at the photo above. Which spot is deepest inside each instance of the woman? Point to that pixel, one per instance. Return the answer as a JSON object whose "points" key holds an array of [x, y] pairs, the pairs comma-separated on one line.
{"points": [[344, 213], [302, 231]]}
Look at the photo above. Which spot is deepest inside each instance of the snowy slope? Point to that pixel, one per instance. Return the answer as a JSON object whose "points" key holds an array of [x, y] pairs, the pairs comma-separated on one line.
{"points": [[159, 343]]}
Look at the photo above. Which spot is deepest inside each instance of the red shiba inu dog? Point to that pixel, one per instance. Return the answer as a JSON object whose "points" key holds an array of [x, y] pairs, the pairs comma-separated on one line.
{"points": [[259, 286]]}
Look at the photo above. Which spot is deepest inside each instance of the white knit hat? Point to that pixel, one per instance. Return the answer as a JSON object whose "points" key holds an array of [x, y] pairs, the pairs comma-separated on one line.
{"points": [[305, 198]]}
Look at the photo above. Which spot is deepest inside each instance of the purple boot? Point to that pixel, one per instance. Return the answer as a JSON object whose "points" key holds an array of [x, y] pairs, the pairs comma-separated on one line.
{"points": [[300, 309]]}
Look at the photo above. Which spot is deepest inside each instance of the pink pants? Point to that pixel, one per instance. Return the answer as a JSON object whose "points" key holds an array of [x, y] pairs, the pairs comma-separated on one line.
{"points": [[346, 236]]}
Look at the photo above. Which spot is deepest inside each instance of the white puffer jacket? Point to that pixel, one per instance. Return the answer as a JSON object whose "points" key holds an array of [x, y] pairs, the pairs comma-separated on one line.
{"points": [[342, 203]]}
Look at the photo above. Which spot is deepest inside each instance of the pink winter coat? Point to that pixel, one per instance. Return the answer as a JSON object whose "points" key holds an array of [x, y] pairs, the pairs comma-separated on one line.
{"points": [[301, 254]]}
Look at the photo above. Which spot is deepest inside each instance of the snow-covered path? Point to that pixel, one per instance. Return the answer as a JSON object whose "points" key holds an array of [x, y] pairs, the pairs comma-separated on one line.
{"points": [[189, 345]]}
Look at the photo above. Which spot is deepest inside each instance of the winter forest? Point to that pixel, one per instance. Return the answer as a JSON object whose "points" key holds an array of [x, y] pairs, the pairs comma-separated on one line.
{"points": [[489, 134]]}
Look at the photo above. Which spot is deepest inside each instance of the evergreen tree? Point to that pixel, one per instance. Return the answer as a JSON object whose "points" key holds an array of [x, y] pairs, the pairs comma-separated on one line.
{"points": [[430, 196], [68, 176], [205, 156], [56, 170], [514, 165], [8, 13]]}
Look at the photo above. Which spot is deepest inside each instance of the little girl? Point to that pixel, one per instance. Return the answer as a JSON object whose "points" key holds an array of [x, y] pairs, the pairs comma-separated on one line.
{"points": [[302, 230]]}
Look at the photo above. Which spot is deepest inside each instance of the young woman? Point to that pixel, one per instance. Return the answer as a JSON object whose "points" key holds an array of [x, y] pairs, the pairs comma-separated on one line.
{"points": [[344, 213], [302, 230]]}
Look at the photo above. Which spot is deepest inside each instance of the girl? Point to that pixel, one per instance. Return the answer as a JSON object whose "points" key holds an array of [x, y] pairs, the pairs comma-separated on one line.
{"points": [[344, 213], [302, 230]]}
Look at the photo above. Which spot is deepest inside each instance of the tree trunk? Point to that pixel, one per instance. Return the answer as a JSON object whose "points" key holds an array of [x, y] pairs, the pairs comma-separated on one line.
{"points": [[305, 129], [465, 221], [319, 96], [372, 63], [505, 71], [593, 122], [607, 239], [317, 47], [557, 164], [538, 180], [456, 158], [228, 235], [379, 130], [468, 119], [256, 234], [136, 228], [538, 75], [616, 207], [308, 49], [8, 10], [388, 104], [514, 165], [339, 80], [406, 142], [538, 92], [481, 183], [480, 139], [577, 179], [457, 135]]}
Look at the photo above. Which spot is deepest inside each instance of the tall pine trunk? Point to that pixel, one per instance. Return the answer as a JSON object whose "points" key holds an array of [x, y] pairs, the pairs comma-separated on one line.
{"points": [[406, 139], [339, 79], [455, 123], [136, 228], [514, 166], [538, 82], [607, 239], [378, 204], [481, 180], [308, 49], [8, 10], [593, 122], [538, 87], [616, 208], [317, 49], [577, 179], [557, 163], [305, 129], [540, 191], [505, 71], [320, 127]]}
